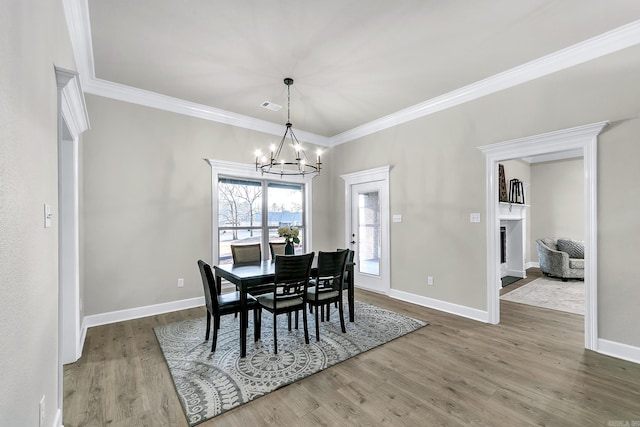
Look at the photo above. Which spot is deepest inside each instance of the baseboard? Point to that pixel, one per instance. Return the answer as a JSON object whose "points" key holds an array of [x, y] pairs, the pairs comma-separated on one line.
{"points": [[138, 312], [531, 265], [619, 350], [447, 307]]}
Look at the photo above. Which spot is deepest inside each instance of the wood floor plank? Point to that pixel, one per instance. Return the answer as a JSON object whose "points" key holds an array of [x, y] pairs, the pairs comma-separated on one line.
{"points": [[531, 369]]}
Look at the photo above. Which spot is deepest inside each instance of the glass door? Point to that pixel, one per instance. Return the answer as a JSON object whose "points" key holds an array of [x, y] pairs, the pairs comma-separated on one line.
{"points": [[367, 236]]}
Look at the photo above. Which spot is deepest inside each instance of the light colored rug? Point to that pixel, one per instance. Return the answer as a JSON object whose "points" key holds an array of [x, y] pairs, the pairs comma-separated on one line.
{"points": [[550, 293], [209, 384]]}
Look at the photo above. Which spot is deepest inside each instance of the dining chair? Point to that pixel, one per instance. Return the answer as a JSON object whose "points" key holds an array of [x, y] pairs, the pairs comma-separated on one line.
{"points": [[345, 281], [327, 284], [246, 253], [276, 248], [220, 304], [289, 291]]}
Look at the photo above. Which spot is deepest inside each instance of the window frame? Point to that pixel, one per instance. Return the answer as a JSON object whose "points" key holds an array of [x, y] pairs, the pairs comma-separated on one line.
{"points": [[225, 169]]}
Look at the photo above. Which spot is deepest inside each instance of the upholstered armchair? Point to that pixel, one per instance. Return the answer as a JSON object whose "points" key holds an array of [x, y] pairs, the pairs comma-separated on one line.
{"points": [[563, 258]]}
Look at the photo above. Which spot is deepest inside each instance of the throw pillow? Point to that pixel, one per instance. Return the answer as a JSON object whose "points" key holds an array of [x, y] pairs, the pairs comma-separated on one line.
{"points": [[574, 248]]}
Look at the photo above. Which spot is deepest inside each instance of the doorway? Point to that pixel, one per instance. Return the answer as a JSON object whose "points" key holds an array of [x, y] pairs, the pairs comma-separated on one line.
{"points": [[367, 227], [583, 139]]}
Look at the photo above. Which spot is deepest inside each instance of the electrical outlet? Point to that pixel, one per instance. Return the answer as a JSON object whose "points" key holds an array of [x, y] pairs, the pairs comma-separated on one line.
{"points": [[180, 282], [430, 281], [42, 412]]}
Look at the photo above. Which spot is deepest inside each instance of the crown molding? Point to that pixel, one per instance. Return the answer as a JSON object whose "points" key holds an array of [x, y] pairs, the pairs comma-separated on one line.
{"points": [[77, 15], [155, 100], [595, 47]]}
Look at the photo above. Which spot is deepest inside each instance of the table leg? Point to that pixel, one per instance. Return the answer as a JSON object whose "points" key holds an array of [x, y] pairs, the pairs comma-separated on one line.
{"points": [[351, 295], [244, 320]]}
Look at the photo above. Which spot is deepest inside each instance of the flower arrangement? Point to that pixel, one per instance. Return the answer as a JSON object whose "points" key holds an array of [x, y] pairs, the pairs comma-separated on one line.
{"points": [[289, 233]]}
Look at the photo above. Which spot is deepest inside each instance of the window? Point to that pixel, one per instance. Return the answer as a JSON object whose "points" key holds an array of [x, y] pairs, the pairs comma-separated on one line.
{"points": [[250, 211]]}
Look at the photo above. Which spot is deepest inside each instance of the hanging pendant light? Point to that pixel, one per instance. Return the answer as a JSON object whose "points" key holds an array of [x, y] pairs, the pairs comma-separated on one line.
{"points": [[297, 164]]}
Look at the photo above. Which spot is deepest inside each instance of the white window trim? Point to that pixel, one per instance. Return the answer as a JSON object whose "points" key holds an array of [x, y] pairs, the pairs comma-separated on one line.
{"points": [[242, 170]]}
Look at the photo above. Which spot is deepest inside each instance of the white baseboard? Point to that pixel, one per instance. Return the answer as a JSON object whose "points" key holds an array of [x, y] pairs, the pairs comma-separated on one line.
{"points": [[532, 264], [447, 307], [138, 312], [619, 350]]}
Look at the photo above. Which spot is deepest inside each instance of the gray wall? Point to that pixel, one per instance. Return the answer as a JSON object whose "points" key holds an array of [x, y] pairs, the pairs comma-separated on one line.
{"points": [[146, 190], [147, 201], [557, 194], [438, 178], [33, 38]]}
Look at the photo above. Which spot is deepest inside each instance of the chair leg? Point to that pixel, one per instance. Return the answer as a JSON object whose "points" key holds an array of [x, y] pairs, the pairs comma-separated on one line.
{"points": [[275, 333], [328, 312], [216, 326], [317, 325], [296, 318], [341, 310], [304, 324], [289, 320], [257, 323], [206, 337]]}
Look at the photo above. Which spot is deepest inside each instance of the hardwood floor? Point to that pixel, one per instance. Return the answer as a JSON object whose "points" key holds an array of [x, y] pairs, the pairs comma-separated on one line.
{"points": [[531, 369]]}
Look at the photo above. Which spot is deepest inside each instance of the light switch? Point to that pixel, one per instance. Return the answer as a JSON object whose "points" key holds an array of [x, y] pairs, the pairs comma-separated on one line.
{"points": [[397, 218], [47, 216], [474, 217]]}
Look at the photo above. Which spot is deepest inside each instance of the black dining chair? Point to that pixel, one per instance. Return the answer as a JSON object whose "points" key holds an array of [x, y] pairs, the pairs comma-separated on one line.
{"points": [[220, 304], [327, 284], [289, 291], [276, 248], [345, 281]]}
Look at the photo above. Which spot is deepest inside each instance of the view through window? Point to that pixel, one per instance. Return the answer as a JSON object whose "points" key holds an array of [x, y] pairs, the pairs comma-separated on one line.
{"points": [[250, 211]]}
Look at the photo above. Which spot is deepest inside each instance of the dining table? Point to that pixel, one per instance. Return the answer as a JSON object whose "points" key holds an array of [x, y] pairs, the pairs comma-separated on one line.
{"points": [[246, 276]]}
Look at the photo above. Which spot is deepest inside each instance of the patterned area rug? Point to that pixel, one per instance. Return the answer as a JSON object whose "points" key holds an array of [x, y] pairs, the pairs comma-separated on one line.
{"points": [[209, 384], [550, 293]]}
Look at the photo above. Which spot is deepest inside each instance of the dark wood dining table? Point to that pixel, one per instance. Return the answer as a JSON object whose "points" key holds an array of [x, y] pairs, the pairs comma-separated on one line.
{"points": [[247, 275]]}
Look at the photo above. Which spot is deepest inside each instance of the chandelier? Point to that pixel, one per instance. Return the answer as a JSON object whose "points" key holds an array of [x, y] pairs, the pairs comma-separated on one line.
{"points": [[297, 164]]}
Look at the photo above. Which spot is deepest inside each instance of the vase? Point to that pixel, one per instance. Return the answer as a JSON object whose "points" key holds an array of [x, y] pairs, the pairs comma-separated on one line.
{"points": [[288, 248]]}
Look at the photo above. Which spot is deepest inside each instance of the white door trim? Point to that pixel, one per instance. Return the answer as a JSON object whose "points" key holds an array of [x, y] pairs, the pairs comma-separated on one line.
{"points": [[361, 177], [583, 138]]}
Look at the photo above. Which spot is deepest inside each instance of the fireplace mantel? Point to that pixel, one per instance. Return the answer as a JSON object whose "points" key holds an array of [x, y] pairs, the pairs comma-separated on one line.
{"points": [[512, 211]]}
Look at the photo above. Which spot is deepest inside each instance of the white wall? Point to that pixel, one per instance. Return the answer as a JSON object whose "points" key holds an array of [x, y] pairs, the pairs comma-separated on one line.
{"points": [[33, 38]]}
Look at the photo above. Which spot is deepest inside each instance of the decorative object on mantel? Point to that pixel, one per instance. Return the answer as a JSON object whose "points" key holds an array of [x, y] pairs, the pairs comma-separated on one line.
{"points": [[277, 165], [502, 184], [290, 235], [516, 191]]}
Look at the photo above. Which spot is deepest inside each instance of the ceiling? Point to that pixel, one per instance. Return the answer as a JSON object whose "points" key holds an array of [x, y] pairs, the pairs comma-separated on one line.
{"points": [[355, 63]]}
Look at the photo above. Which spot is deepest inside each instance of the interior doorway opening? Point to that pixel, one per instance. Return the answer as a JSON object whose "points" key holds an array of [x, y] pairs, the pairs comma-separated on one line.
{"points": [[583, 139]]}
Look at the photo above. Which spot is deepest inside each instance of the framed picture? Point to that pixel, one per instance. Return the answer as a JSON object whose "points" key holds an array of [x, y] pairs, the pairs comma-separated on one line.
{"points": [[502, 184]]}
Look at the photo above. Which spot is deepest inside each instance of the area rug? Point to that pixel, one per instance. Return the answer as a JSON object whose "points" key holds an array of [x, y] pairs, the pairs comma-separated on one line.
{"points": [[550, 293], [209, 384]]}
